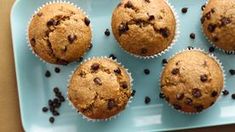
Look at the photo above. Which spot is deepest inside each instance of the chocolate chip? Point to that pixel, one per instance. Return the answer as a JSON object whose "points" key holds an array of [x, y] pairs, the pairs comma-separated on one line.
{"points": [[204, 78], [148, 1], [61, 98], [225, 92], [161, 95], [57, 69], [33, 42], [39, 14], [214, 94], [50, 102], [232, 72], [213, 10], [143, 50], [51, 119], [90, 46], [55, 113], [215, 39], [188, 101], [56, 90], [51, 22], [124, 85], [87, 21], [48, 74], [129, 5], [196, 93], [164, 32], [55, 100], [192, 35], [184, 10], [97, 81], [82, 74], [117, 71], [199, 108], [211, 27], [72, 38], [151, 17], [177, 107], [112, 56], [233, 96], [147, 100], [203, 7], [225, 21], [107, 32], [179, 96], [146, 71], [133, 93], [228, 52], [111, 104], [164, 61], [211, 49], [95, 66], [123, 28], [190, 47], [44, 109], [175, 71], [208, 15]]}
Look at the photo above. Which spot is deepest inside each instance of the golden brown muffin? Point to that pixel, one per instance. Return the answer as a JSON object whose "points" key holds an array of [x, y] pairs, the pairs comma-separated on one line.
{"points": [[59, 33], [100, 88], [218, 22], [144, 27], [192, 81]]}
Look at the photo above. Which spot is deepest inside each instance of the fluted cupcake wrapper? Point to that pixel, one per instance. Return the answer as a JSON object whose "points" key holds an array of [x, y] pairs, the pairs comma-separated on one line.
{"points": [[112, 117], [212, 43], [177, 33], [210, 55], [37, 10]]}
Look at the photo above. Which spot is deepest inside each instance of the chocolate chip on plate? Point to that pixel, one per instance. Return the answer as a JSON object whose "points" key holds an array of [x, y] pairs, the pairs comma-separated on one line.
{"points": [[133, 92], [112, 56], [203, 7], [211, 49], [87, 21], [161, 95], [232, 71], [51, 119], [57, 69], [184, 10], [225, 92], [44, 109], [192, 35], [164, 61], [190, 47], [147, 100], [107, 32], [146, 71], [233, 96], [48, 74]]}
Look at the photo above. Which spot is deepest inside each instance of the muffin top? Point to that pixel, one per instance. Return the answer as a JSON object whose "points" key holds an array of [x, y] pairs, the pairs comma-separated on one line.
{"points": [[143, 27], [218, 23], [59, 33], [192, 81], [100, 88]]}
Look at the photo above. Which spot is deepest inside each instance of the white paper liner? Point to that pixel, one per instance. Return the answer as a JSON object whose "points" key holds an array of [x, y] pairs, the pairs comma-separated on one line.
{"points": [[37, 10], [212, 43], [210, 55], [112, 117], [177, 33]]}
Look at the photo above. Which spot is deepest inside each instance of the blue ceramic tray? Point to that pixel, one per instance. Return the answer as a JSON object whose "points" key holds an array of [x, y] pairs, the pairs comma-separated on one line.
{"points": [[35, 89]]}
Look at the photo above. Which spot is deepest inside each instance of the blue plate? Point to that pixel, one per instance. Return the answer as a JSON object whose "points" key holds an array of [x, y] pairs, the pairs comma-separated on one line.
{"points": [[35, 89]]}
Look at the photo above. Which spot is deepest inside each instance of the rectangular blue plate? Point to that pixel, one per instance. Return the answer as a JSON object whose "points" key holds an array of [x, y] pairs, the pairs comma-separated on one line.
{"points": [[35, 89]]}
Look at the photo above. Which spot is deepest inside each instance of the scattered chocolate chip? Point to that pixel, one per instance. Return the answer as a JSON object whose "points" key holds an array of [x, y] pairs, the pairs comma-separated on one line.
{"points": [[214, 94], [80, 59], [117, 71], [55, 100], [133, 93], [175, 71], [228, 52], [44, 109], [143, 50], [225, 92], [95, 66], [129, 5], [124, 85], [211, 27], [72, 38], [177, 107], [33, 42], [164, 32], [204, 78], [179, 96], [192, 35], [39, 14], [55, 113], [97, 81], [188, 101], [111, 104], [211, 49], [107, 32], [48, 74], [233, 96], [190, 47], [161, 95], [57, 69], [146, 71], [164, 61], [151, 17], [87, 21], [112, 56], [147, 100], [51, 22], [203, 7], [232, 72], [184, 10], [196, 93], [199, 108], [123, 28], [148, 1], [61, 98], [225, 21], [56, 90], [50, 102], [51, 119]]}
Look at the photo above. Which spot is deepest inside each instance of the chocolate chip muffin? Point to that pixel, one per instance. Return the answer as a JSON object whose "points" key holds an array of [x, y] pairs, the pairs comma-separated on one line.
{"points": [[144, 27], [218, 22], [59, 33], [192, 81], [100, 88]]}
